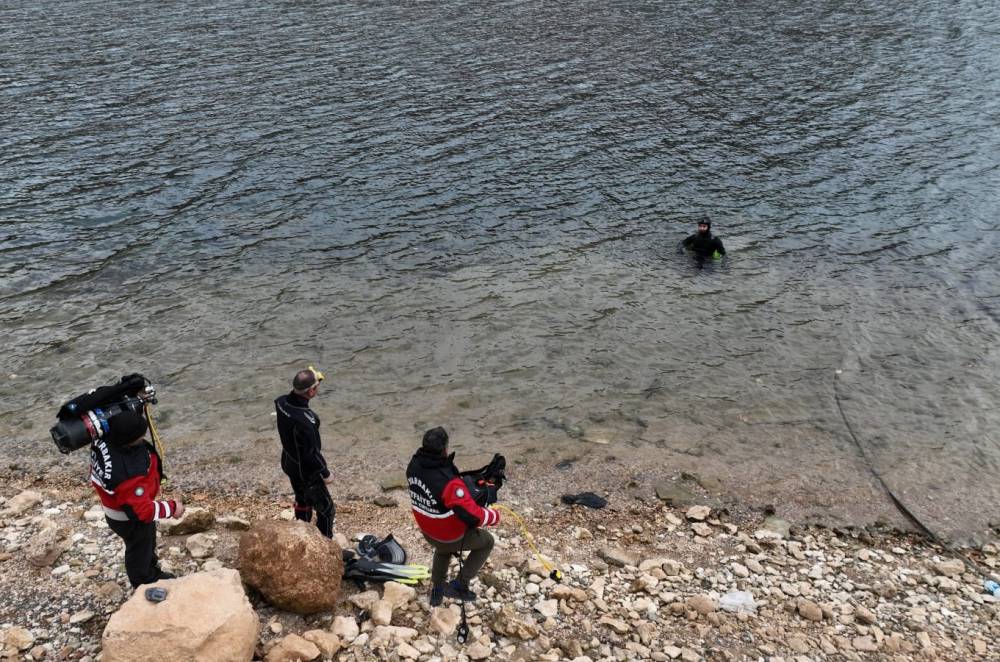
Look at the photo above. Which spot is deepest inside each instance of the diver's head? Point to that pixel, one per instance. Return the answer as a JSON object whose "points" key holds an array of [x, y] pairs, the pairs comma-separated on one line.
{"points": [[704, 225], [127, 428], [436, 441], [306, 382]]}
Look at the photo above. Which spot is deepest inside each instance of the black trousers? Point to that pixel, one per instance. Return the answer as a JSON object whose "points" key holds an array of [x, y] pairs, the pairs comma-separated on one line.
{"points": [[141, 563], [310, 496], [477, 542]]}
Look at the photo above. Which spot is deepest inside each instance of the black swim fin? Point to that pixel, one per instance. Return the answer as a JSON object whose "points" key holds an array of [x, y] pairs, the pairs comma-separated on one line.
{"points": [[364, 569]]}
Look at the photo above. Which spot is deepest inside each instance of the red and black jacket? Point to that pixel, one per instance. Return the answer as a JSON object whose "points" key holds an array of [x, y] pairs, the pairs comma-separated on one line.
{"points": [[127, 479], [440, 499]]}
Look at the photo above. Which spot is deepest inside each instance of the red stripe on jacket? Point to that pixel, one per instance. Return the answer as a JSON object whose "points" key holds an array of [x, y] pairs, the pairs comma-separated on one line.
{"points": [[447, 526], [136, 496]]}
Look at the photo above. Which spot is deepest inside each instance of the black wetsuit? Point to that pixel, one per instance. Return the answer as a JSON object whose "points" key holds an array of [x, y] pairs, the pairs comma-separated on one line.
{"points": [[704, 245], [302, 460]]}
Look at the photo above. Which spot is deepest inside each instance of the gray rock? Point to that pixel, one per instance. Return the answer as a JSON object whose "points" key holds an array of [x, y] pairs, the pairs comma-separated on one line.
{"points": [[675, 495], [393, 481], [618, 557], [777, 526]]}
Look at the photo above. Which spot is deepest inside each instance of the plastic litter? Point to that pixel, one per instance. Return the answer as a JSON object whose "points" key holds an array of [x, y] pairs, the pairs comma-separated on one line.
{"points": [[738, 601]]}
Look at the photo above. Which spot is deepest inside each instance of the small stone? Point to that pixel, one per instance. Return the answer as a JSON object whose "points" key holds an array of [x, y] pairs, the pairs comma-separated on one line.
{"points": [[384, 501], [444, 620], [19, 638], [547, 608], [702, 604], [949, 567], [477, 651], [81, 617], [407, 652], [864, 644], [740, 570], [701, 529], [809, 610], [698, 513], [345, 627], [865, 616]]}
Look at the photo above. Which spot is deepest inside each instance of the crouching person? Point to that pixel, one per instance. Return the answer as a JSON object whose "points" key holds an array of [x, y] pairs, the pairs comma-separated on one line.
{"points": [[126, 472], [450, 520]]}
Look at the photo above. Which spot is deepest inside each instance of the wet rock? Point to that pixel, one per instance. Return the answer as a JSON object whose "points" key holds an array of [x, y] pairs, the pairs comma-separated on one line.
{"points": [[283, 559], [206, 616], [674, 494], [194, 520]]}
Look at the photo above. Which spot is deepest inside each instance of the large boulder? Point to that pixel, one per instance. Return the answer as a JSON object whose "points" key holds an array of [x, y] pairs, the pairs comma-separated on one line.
{"points": [[205, 617], [293, 565]]}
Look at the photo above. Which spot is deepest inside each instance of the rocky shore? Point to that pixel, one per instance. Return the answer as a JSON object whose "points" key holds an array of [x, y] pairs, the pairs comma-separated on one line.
{"points": [[654, 578]]}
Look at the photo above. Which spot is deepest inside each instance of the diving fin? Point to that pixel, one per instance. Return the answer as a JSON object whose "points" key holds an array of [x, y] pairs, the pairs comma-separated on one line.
{"points": [[364, 569]]}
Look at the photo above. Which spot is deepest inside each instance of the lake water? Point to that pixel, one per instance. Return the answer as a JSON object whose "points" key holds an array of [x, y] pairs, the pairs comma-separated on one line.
{"points": [[468, 214]]}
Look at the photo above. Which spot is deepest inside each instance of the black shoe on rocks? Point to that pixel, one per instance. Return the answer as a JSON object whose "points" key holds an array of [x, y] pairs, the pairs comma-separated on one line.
{"points": [[454, 589]]}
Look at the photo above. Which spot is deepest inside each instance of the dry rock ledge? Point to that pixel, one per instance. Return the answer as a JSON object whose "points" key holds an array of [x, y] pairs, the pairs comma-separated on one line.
{"points": [[643, 581]]}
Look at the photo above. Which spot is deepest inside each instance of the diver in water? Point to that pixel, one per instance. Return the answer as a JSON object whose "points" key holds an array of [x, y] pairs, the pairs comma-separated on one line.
{"points": [[703, 244]]}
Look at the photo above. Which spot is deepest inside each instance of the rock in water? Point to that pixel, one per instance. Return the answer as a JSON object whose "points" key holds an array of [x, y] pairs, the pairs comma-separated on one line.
{"points": [[293, 566], [206, 616]]}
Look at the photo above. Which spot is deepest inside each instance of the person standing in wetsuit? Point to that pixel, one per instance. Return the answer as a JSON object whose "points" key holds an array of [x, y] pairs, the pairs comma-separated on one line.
{"points": [[301, 452], [703, 243]]}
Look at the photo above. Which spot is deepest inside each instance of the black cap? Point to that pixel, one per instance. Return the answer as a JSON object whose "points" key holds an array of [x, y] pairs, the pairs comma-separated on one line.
{"points": [[435, 440], [126, 427], [705, 220]]}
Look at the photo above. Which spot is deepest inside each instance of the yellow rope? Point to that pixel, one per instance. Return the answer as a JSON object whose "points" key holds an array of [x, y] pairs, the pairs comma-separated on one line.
{"points": [[157, 442], [553, 571]]}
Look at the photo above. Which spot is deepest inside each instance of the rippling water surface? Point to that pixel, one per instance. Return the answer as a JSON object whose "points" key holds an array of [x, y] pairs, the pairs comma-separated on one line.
{"points": [[467, 214]]}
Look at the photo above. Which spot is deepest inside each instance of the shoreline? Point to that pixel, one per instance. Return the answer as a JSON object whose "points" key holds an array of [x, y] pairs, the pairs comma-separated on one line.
{"points": [[860, 593], [849, 496]]}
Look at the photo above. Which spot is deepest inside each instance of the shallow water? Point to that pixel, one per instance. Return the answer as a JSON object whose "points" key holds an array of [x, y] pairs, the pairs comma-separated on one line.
{"points": [[468, 216]]}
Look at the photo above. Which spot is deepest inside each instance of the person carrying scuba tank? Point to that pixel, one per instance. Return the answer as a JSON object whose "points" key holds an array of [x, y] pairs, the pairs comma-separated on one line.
{"points": [[449, 517], [126, 472], [703, 244], [301, 452]]}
